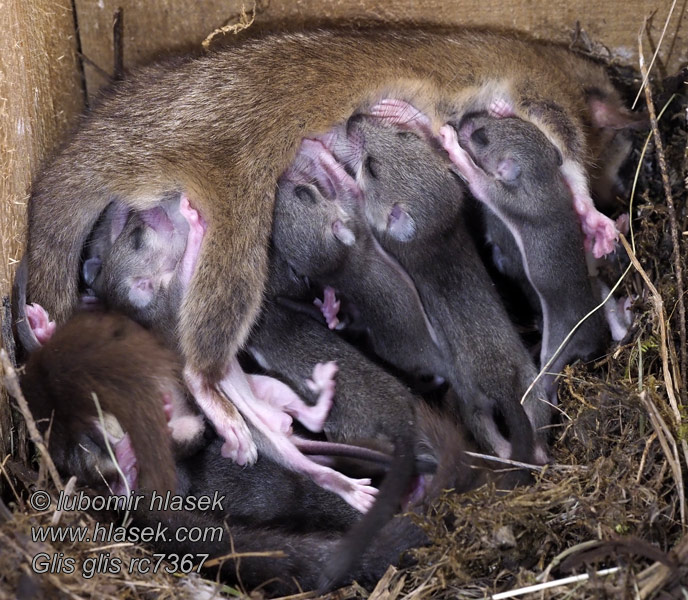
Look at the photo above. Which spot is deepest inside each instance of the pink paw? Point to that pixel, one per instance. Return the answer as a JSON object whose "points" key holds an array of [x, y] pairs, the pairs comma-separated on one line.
{"points": [[322, 383], [238, 447], [361, 495], [357, 492], [126, 459], [600, 231], [323, 377], [465, 166], [322, 166], [40, 323], [329, 306], [450, 142], [501, 108], [402, 114], [192, 216]]}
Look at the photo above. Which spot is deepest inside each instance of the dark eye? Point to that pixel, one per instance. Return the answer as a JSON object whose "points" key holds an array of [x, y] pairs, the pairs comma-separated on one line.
{"points": [[371, 166], [305, 194], [480, 137]]}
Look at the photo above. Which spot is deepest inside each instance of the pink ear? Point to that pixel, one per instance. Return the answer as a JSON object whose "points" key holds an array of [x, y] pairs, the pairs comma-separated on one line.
{"points": [[606, 115], [91, 269], [343, 233], [400, 224], [119, 220], [508, 169], [141, 292]]}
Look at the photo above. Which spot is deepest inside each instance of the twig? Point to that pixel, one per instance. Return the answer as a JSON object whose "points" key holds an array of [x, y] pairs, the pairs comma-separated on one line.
{"points": [[669, 447], [657, 574], [557, 560], [12, 385], [244, 23], [505, 461], [659, 308], [552, 584], [234, 555], [637, 171], [675, 240], [643, 459], [654, 56], [545, 368], [658, 304]]}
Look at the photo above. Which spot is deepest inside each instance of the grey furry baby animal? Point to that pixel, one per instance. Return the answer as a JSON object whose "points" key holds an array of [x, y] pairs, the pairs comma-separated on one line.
{"points": [[413, 201], [512, 168], [320, 235]]}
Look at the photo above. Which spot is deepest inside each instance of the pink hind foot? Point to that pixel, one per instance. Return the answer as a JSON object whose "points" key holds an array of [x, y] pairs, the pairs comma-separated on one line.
{"points": [[357, 492], [599, 230], [279, 403], [221, 412]]}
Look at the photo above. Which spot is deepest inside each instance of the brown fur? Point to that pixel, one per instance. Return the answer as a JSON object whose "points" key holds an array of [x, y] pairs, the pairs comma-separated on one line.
{"points": [[129, 371], [222, 128]]}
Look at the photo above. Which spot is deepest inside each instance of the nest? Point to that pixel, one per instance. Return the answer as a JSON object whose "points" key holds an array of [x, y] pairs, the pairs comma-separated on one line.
{"points": [[606, 520]]}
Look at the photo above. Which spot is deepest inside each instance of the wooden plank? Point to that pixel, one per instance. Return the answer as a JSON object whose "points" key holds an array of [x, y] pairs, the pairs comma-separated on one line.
{"points": [[151, 29], [40, 98], [156, 28]]}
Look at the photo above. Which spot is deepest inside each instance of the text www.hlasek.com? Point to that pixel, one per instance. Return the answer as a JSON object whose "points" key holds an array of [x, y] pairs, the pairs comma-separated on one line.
{"points": [[132, 534]]}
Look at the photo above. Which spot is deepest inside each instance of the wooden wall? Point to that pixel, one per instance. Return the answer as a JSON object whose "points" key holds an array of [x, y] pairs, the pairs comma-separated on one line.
{"points": [[41, 95], [156, 27]]}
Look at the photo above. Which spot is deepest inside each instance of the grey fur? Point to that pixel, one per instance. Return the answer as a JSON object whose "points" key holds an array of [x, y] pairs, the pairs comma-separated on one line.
{"points": [[531, 208], [484, 359]]}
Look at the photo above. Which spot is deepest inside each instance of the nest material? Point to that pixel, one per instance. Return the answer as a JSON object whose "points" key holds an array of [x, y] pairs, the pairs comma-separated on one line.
{"points": [[613, 497]]}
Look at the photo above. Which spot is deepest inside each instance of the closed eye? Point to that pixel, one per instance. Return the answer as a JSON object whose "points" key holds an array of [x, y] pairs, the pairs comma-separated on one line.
{"points": [[371, 166], [480, 137], [305, 194]]}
